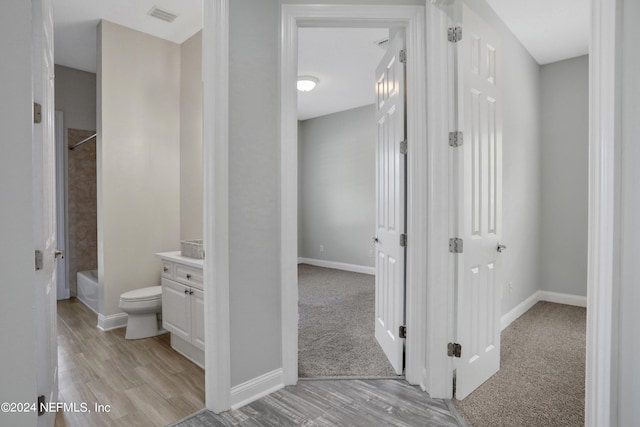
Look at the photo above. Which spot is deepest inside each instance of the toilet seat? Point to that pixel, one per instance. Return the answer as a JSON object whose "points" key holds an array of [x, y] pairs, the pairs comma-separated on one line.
{"points": [[150, 293]]}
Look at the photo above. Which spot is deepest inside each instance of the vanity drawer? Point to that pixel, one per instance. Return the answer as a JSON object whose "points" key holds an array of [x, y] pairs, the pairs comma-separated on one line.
{"points": [[167, 270], [188, 275]]}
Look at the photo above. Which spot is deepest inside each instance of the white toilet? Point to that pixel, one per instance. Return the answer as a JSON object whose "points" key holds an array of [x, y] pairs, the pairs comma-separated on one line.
{"points": [[142, 307]]}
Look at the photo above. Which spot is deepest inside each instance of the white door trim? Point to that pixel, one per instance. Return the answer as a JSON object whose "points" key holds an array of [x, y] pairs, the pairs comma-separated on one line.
{"points": [[62, 291], [603, 267], [215, 64], [427, 182]]}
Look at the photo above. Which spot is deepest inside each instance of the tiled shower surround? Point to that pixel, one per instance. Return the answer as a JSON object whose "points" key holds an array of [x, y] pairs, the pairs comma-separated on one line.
{"points": [[82, 247]]}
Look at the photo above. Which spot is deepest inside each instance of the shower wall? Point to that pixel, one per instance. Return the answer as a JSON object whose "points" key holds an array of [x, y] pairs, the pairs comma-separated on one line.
{"points": [[82, 247]]}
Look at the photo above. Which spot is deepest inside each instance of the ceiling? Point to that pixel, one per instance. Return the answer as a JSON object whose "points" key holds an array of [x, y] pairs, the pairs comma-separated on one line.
{"points": [[551, 30], [344, 60], [75, 23]]}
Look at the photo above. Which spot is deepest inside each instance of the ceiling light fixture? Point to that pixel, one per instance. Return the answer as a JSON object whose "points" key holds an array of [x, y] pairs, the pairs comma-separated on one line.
{"points": [[307, 83]]}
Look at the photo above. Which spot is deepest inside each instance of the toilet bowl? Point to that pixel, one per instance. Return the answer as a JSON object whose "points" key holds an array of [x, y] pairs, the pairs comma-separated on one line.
{"points": [[142, 307]]}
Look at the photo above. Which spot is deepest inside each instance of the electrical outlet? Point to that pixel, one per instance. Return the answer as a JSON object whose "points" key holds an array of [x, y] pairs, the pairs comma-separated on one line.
{"points": [[321, 248]]}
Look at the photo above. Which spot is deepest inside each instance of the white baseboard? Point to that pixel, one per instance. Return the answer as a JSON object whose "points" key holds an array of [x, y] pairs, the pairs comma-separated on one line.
{"points": [[519, 310], [114, 321], [258, 387], [567, 299], [548, 296], [338, 265]]}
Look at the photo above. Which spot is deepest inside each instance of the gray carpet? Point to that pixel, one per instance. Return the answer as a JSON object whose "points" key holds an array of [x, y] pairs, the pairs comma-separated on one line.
{"points": [[336, 328], [541, 377]]}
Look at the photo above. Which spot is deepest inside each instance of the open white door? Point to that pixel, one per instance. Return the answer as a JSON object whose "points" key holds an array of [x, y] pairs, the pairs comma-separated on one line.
{"points": [[480, 201], [44, 206], [390, 202]]}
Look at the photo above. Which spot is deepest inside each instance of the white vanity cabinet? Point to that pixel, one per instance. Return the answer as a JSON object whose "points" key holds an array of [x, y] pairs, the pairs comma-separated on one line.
{"points": [[183, 304]]}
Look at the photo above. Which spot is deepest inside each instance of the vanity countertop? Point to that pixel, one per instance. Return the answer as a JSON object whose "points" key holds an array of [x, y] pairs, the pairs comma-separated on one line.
{"points": [[176, 257]]}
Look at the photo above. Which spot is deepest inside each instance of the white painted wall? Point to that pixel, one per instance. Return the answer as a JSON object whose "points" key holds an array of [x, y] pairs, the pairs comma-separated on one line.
{"points": [[191, 138], [629, 287], [522, 164], [17, 295], [336, 186], [138, 159], [565, 152]]}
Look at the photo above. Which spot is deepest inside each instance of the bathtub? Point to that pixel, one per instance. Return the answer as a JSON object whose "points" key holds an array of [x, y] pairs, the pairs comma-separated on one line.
{"points": [[88, 288]]}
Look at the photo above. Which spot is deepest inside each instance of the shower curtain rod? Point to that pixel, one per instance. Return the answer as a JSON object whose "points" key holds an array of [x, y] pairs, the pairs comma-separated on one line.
{"points": [[83, 141]]}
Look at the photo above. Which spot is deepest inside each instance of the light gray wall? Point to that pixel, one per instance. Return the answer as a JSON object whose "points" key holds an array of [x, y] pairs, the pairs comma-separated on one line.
{"points": [[138, 159], [565, 152], [17, 294], [336, 176], [629, 314], [191, 138], [522, 165], [76, 96], [253, 189]]}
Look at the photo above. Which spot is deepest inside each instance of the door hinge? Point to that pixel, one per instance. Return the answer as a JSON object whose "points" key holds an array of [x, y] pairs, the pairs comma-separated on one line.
{"points": [[41, 405], [456, 139], [39, 260], [402, 331], [454, 349], [403, 240], [403, 56], [455, 245], [403, 147], [454, 34], [37, 113]]}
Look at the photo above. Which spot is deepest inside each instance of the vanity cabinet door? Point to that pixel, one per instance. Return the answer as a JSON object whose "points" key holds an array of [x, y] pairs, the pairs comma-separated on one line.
{"points": [[176, 313], [197, 316]]}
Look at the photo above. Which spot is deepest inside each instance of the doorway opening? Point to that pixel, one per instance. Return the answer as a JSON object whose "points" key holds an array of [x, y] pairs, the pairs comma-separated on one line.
{"points": [[349, 161], [411, 20]]}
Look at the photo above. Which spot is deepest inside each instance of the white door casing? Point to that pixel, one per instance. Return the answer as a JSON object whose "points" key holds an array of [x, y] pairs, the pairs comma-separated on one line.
{"points": [[480, 201], [62, 291], [44, 206], [390, 202]]}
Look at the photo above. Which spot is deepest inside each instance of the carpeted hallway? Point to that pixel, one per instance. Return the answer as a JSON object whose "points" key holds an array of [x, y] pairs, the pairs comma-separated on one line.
{"points": [[336, 328], [542, 370]]}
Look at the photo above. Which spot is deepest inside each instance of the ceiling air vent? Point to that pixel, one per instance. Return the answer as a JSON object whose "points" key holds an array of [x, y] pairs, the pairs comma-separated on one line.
{"points": [[162, 14]]}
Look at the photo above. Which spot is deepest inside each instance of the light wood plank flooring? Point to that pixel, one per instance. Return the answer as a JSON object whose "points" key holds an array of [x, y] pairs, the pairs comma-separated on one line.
{"points": [[338, 403], [145, 382]]}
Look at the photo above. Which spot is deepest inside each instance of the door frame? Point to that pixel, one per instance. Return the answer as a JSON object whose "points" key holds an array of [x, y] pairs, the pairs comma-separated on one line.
{"points": [[604, 207], [62, 291], [412, 18]]}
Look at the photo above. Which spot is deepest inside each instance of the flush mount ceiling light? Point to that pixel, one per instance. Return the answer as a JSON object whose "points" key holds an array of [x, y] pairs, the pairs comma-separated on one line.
{"points": [[307, 83]]}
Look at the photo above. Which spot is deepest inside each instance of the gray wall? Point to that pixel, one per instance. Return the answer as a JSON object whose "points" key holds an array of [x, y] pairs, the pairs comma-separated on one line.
{"points": [[565, 151], [336, 178], [522, 164], [191, 138], [629, 314], [76, 96], [138, 159], [17, 294]]}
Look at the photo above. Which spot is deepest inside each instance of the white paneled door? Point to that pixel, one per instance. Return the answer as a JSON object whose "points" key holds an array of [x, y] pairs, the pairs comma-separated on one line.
{"points": [[480, 201], [44, 207], [390, 203]]}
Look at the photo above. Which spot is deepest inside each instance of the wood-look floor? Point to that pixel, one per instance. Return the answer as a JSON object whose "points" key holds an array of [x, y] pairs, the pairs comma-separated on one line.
{"points": [[145, 382], [337, 403]]}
